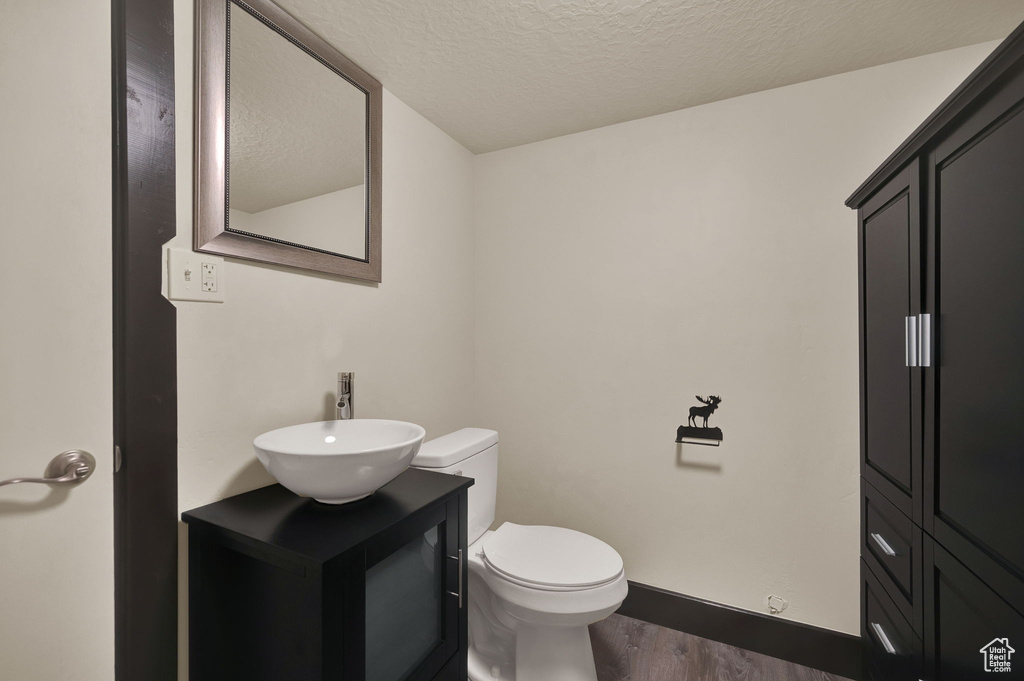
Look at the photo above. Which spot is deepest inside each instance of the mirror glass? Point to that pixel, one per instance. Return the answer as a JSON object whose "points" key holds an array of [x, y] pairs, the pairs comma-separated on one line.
{"points": [[296, 146]]}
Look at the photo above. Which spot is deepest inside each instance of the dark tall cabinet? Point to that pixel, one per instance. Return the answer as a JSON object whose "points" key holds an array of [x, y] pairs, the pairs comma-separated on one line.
{"points": [[942, 388]]}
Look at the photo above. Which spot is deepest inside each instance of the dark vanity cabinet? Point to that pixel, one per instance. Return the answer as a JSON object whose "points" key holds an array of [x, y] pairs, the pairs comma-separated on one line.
{"points": [[285, 588], [942, 388]]}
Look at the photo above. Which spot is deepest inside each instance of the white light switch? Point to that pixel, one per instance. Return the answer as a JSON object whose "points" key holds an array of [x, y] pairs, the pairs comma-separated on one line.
{"points": [[194, 276]]}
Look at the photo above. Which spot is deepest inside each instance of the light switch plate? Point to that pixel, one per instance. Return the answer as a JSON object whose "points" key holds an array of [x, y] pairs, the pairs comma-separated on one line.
{"points": [[194, 276]]}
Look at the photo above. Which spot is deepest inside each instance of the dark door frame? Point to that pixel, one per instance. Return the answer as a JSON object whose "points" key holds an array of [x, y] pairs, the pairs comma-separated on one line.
{"points": [[144, 342]]}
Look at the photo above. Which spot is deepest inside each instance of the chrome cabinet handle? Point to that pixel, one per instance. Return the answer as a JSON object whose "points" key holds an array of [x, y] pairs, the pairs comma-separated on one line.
{"points": [[67, 468], [910, 338], [924, 340], [882, 544], [459, 594], [886, 643]]}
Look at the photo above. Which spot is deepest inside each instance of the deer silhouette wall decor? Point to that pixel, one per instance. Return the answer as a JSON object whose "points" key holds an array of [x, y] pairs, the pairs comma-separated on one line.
{"points": [[711, 404], [702, 435]]}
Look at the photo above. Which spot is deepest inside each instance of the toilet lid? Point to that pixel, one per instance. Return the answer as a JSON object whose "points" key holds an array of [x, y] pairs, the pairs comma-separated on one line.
{"points": [[551, 556]]}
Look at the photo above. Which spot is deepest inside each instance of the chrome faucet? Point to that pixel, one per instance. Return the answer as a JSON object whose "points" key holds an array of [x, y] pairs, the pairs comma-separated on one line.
{"points": [[346, 382]]}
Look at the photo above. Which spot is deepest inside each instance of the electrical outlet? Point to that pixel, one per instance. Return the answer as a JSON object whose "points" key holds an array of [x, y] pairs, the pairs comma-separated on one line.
{"points": [[194, 276], [210, 275]]}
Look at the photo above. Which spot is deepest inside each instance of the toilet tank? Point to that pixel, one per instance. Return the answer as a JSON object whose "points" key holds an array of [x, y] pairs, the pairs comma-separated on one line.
{"points": [[472, 453]]}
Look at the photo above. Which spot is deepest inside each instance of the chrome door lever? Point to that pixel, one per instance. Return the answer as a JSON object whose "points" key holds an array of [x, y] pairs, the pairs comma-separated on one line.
{"points": [[67, 468]]}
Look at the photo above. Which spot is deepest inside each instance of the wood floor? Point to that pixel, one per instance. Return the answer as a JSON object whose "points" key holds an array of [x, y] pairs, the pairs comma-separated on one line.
{"points": [[626, 649]]}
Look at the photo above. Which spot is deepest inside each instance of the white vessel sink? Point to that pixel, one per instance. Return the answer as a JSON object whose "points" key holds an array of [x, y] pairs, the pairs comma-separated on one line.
{"points": [[336, 462]]}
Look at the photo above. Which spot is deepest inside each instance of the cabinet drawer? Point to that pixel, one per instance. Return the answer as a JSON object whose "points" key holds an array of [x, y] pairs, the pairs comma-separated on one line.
{"points": [[891, 546], [894, 652]]}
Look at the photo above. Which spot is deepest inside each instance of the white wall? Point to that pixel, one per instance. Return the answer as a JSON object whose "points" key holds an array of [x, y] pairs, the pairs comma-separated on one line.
{"points": [[268, 356], [333, 221], [56, 359], [623, 270]]}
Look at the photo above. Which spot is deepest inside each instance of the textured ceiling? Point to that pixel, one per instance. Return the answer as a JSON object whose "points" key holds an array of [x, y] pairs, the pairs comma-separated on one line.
{"points": [[495, 74], [297, 128]]}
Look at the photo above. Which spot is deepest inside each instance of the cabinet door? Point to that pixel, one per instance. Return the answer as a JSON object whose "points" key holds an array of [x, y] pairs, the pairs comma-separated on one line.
{"points": [[411, 597], [970, 628], [890, 248], [974, 429]]}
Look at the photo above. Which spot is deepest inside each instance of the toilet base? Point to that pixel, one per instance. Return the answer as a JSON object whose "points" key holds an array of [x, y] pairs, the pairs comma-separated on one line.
{"points": [[478, 672], [543, 654], [563, 653]]}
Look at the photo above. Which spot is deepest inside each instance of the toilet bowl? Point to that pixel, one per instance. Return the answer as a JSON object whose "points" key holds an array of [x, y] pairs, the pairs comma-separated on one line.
{"points": [[532, 589], [539, 602]]}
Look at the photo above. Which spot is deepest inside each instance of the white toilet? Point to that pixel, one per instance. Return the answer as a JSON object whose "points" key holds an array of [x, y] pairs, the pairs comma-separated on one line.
{"points": [[532, 589]]}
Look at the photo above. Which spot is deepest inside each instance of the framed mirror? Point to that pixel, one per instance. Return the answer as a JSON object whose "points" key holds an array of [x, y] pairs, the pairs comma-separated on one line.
{"points": [[288, 144]]}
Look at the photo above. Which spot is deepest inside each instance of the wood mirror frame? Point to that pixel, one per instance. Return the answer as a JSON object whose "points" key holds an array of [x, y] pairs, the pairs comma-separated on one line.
{"points": [[211, 234]]}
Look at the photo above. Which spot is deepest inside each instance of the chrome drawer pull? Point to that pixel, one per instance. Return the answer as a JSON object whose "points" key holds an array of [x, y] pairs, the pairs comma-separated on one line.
{"points": [[882, 544], [880, 633]]}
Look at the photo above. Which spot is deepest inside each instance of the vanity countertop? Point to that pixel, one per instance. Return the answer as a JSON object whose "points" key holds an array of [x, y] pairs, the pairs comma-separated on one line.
{"points": [[273, 517]]}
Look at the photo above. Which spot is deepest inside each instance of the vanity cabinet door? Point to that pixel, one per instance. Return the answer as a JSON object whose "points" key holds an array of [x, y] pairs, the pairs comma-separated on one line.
{"points": [[411, 603], [890, 245]]}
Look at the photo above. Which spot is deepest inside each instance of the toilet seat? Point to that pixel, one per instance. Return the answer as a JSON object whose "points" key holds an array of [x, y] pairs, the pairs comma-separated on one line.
{"points": [[550, 558]]}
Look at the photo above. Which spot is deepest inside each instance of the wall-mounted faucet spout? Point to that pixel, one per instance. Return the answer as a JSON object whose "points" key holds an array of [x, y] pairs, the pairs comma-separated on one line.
{"points": [[346, 383]]}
